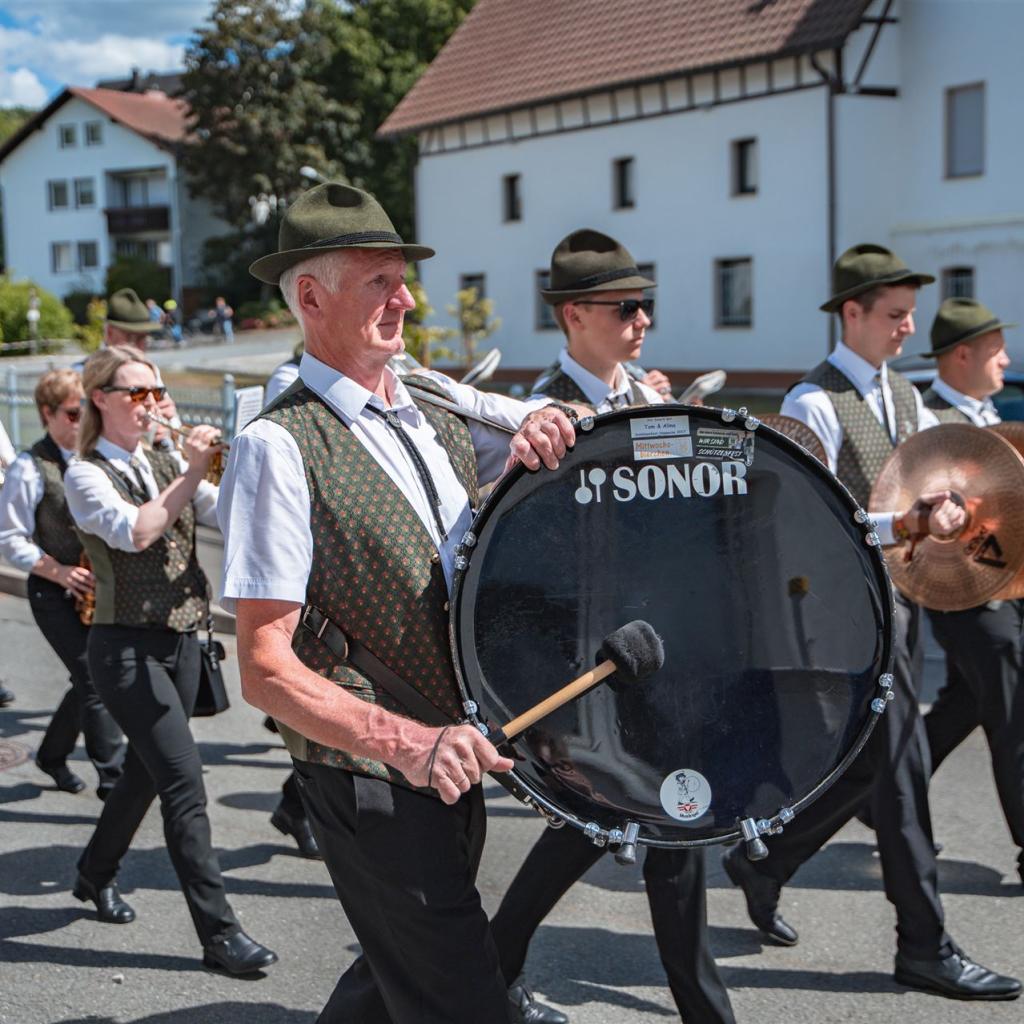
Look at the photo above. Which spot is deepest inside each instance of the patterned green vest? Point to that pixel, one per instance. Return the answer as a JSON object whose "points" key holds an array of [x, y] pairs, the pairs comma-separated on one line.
{"points": [[557, 384], [376, 573], [866, 443], [162, 587], [944, 412], [55, 529]]}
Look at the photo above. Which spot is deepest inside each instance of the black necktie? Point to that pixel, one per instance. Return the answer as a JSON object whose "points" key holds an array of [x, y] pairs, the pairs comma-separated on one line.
{"points": [[136, 467]]}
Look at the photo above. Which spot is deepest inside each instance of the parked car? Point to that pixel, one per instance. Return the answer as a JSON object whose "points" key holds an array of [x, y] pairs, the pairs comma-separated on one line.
{"points": [[1009, 402]]}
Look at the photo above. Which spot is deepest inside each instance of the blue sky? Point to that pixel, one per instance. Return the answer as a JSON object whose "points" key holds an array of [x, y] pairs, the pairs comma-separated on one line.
{"points": [[47, 44]]}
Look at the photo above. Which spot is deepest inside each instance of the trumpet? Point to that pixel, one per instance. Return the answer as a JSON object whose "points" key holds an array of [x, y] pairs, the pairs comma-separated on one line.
{"points": [[216, 470], [85, 604]]}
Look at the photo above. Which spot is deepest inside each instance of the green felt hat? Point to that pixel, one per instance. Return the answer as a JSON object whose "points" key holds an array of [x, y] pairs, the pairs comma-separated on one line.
{"points": [[588, 261], [960, 320], [128, 312], [329, 217], [865, 267]]}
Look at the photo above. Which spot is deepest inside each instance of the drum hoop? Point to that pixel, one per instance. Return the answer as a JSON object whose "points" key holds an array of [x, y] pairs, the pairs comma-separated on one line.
{"points": [[584, 429]]}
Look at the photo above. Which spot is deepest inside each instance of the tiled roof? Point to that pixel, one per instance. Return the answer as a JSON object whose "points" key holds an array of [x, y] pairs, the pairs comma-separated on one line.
{"points": [[152, 114], [513, 53]]}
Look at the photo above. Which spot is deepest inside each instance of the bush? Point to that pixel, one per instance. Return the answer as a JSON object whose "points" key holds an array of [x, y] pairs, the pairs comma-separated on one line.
{"points": [[150, 280], [255, 314], [54, 316], [90, 334], [78, 302]]}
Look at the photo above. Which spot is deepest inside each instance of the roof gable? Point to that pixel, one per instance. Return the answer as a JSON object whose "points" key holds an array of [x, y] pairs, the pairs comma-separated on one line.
{"points": [[515, 53]]}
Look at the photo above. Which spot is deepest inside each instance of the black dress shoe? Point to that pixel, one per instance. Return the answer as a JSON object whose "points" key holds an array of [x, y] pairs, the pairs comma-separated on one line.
{"points": [[299, 830], [6, 697], [957, 977], [67, 781], [110, 906], [237, 955], [762, 895], [526, 1009]]}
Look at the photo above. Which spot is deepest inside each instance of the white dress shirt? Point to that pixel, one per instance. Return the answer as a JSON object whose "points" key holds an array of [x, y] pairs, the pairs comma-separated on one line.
{"points": [[280, 380], [97, 506], [981, 412], [264, 508], [7, 452], [599, 395], [19, 499]]}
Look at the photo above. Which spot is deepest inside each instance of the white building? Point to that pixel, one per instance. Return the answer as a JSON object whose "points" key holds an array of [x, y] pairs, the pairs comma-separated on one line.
{"points": [[93, 176], [736, 145]]}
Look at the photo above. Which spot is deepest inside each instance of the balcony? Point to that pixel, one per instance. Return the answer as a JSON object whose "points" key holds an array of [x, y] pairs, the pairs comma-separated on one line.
{"points": [[128, 220]]}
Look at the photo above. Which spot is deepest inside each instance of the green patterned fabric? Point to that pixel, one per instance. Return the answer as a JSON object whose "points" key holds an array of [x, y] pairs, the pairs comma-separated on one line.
{"points": [[162, 587], [557, 384], [55, 529], [376, 573], [944, 412], [866, 443]]}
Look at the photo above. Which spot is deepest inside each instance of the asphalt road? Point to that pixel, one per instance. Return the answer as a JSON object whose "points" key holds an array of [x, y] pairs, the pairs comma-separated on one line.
{"points": [[595, 957]]}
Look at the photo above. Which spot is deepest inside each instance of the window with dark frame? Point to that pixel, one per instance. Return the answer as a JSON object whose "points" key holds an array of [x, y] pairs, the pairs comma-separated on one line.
{"points": [[958, 283], [93, 133], [734, 303], [85, 193], [67, 136], [624, 196], [545, 314], [88, 256], [513, 203], [57, 195], [60, 257], [744, 167], [965, 131], [477, 281]]}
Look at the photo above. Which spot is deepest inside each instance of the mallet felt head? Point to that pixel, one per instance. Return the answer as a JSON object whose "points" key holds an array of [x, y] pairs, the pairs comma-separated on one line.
{"points": [[636, 650]]}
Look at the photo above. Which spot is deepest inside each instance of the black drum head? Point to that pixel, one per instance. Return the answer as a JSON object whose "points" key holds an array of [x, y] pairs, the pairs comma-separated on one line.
{"points": [[774, 612]]}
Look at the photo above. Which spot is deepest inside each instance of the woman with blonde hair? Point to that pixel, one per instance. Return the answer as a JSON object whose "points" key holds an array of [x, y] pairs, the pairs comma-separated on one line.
{"points": [[136, 510]]}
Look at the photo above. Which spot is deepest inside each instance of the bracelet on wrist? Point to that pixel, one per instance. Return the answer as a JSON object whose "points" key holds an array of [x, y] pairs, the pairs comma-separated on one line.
{"points": [[899, 529]]}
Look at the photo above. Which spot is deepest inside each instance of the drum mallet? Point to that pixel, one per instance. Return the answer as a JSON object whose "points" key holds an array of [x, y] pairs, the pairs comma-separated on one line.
{"points": [[634, 651]]}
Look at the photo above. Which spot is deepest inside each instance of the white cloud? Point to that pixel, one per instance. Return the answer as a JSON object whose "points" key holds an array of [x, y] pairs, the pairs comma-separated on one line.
{"points": [[85, 19], [21, 88]]}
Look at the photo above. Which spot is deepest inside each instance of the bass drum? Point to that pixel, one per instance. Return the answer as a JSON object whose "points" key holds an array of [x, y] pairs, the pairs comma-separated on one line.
{"points": [[754, 565]]}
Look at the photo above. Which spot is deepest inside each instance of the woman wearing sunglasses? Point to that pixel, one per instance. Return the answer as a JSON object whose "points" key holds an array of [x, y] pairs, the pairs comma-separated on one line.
{"points": [[37, 535], [136, 510]]}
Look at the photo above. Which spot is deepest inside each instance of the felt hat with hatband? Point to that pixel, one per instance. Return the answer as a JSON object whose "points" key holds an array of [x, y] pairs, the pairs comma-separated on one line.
{"points": [[864, 267], [588, 261], [960, 320], [125, 310]]}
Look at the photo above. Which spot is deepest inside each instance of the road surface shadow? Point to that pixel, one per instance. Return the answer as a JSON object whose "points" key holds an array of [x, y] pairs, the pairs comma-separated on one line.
{"points": [[210, 1013]]}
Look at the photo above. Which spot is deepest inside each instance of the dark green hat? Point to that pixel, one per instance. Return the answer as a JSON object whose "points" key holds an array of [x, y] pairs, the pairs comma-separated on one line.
{"points": [[960, 320], [128, 312], [865, 267], [587, 261], [329, 217]]}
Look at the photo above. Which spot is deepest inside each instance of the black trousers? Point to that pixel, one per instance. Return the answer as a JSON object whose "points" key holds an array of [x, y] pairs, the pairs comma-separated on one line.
{"points": [[291, 797], [148, 679], [404, 867], [892, 772], [675, 893], [984, 686], [80, 710]]}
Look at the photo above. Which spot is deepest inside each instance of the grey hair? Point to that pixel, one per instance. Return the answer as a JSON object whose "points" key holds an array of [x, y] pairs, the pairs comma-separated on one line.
{"points": [[328, 268]]}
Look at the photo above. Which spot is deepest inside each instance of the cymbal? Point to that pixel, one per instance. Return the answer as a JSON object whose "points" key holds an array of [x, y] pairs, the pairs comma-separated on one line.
{"points": [[797, 430], [1012, 431], [986, 476]]}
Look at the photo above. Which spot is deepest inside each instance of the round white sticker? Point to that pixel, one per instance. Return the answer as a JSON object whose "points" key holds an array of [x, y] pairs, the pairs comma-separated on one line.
{"points": [[685, 795]]}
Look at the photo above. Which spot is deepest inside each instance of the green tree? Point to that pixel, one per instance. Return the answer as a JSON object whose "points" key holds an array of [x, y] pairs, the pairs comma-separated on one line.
{"points": [[475, 319], [423, 343], [55, 321], [148, 279]]}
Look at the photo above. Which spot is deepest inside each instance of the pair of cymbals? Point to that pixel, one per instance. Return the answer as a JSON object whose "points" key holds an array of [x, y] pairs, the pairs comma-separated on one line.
{"points": [[796, 430], [984, 471]]}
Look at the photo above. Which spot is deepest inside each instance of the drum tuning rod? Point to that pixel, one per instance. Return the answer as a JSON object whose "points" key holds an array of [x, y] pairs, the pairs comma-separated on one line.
{"points": [[634, 651]]}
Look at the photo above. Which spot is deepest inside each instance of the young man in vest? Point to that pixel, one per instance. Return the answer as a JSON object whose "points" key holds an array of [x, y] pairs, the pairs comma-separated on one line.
{"points": [[37, 535], [984, 658], [598, 298], [861, 410], [342, 507]]}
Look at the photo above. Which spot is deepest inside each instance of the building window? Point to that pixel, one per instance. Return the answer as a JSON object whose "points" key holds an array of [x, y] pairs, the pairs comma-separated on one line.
{"points": [[623, 195], [545, 318], [513, 201], [477, 281], [965, 131], [67, 137], [85, 194], [744, 167], [136, 248], [958, 283], [93, 133], [734, 293], [57, 192], [60, 257], [88, 256]]}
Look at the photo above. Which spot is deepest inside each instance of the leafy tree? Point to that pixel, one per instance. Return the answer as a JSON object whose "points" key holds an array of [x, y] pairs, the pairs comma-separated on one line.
{"points": [[148, 279], [476, 321], [54, 317], [11, 119], [423, 343]]}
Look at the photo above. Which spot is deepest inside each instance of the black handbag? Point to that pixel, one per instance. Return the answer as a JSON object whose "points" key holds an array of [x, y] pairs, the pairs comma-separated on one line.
{"points": [[212, 697]]}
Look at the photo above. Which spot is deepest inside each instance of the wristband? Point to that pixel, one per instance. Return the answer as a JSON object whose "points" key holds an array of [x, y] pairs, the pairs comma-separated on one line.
{"points": [[899, 530], [567, 410]]}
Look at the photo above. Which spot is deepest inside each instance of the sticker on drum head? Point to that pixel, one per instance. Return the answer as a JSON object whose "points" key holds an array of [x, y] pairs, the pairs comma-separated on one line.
{"points": [[659, 426], [720, 443], [685, 795], [646, 448]]}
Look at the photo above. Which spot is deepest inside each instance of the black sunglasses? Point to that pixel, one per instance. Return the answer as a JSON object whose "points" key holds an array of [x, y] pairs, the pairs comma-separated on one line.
{"points": [[137, 393], [628, 308]]}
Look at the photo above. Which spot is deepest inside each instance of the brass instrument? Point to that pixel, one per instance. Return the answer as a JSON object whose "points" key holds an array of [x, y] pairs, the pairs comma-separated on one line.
{"points": [[216, 470], [85, 604]]}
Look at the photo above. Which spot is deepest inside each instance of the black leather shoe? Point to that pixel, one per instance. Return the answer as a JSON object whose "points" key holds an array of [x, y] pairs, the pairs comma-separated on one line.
{"points": [[237, 955], [6, 697], [299, 830], [110, 906], [67, 781], [762, 895], [956, 977], [526, 1009]]}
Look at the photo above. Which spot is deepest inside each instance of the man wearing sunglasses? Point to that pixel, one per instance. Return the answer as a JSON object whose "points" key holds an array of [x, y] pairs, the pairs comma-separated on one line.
{"points": [[37, 536], [598, 295]]}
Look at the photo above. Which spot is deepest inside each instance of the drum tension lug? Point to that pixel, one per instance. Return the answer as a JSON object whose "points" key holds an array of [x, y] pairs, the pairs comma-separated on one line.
{"points": [[626, 853], [469, 708], [756, 850], [593, 832]]}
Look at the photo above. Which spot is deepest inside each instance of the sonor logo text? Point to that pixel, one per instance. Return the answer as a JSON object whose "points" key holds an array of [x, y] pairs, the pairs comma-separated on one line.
{"points": [[652, 482]]}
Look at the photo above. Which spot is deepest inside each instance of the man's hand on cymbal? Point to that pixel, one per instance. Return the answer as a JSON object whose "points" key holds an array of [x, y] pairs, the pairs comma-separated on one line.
{"points": [[934, 514]]}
